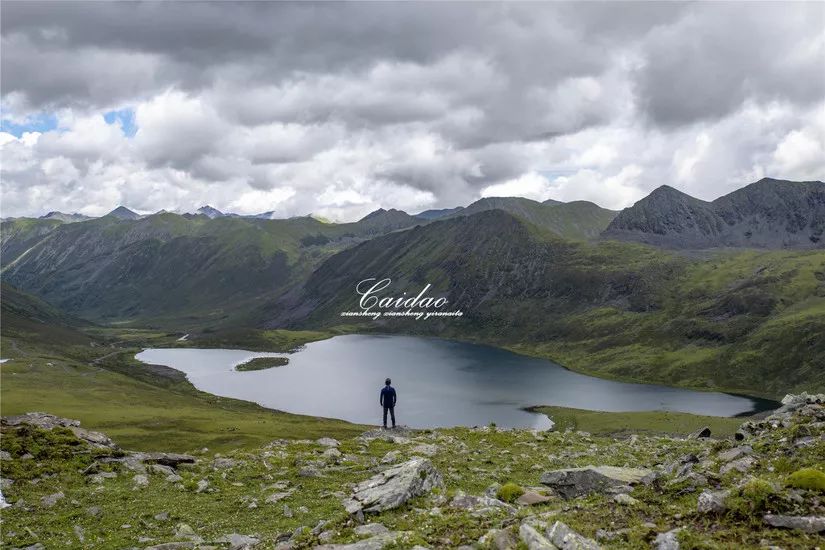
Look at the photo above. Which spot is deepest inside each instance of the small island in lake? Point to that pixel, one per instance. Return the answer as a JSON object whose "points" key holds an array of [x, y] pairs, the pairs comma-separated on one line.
{"points": [[261, 363]]}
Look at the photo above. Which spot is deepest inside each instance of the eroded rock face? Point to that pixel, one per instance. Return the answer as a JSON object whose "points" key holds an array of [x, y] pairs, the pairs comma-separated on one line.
{"points": [[575, 482], [394, 486]]}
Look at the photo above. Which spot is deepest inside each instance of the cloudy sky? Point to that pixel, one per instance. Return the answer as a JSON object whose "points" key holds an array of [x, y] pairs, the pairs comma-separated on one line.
{"points": [[338, 109]]}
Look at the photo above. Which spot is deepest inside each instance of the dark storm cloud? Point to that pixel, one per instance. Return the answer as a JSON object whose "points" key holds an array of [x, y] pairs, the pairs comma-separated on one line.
{"points": [[418, 101]]}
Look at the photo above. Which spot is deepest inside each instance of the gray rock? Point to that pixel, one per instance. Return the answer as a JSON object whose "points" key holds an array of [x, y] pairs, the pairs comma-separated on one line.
{"points": [[171, 546], [575, 482], [394, 486], [309, 471], [710, 502], [667, 541], [807, 524], [371, 529], [184, 531], [499, 539], [480, 504], [141, 480], [530, 498], [700, 433], [163, 516], [425, 449], [741, 465], [50, 500], [328, 442], [93, 511], [736, 452], [625, 499], [162, 470], [224, 463], [167, 459], [275, 497], [239, 542], [533, 539], [566, 539], [376, 542], [391, 457], [203, 484]]}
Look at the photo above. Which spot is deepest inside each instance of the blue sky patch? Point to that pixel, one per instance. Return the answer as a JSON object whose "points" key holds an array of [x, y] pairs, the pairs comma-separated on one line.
{"points": [[126, 118], [41, 122]]}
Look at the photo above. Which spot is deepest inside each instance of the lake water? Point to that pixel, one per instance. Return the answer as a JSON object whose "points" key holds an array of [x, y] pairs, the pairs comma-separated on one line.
{"points": [[440, 383]]}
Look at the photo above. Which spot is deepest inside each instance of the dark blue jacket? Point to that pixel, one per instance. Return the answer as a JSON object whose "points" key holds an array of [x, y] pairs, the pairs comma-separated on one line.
{"points": [[388, 396]]}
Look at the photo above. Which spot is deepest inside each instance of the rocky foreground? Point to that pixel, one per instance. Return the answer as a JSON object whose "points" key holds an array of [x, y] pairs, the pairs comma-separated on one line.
{"points": [[67, 487]]}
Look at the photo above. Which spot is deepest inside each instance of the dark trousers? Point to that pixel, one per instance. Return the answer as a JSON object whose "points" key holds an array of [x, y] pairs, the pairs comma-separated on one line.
{"points": [[392, 415]]}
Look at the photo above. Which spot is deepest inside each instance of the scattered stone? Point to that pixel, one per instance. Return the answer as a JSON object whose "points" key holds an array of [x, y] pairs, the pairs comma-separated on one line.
{"points": [[394, 486], [223, 463], [275, 497], [50, 500], [79, 533], [49, 421], [171, 546], [93, 511], [530, 498], [328, 442], [499, 539], [566, 539], [376, 542], [700, 433], [141, 480], [807, 524], [625, 499], [309, 471], [575, 482], [742, 465], [480, 505], [287, 511], [167, 459], [184, 531], [203, 484], [239, 542], [711, 502], [161, 469], [533, 539], [425, 449], [332, 453], [736, 452], [391, 457], [667, 541], [163, 516], [371, 529]]}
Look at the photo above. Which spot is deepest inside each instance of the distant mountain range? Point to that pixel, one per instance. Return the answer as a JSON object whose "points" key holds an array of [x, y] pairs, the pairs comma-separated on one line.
{"points": [[766, 214], [745, 307]]}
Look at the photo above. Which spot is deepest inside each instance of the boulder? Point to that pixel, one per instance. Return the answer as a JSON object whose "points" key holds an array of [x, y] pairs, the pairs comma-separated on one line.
{"points": [[700, 433], [533, 539], [566, 539], [328, 442], [712, 502], [50, 500], [394, 486], [498, 539], [667, 541], [741, 465], [49, 421], [736, 452], [807, 524], [575, 482]]}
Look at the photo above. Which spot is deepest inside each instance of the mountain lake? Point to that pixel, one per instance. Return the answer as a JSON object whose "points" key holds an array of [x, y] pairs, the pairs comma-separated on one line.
{"points": [[440, 383]]}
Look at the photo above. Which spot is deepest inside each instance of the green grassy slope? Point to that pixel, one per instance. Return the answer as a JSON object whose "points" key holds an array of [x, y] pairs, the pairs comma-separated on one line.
{"points": [[92, 375], [169, 270], [580, 220]]}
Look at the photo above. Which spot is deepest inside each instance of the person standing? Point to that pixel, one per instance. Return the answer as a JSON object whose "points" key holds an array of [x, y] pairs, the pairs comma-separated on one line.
{"points": [[387, 400]]}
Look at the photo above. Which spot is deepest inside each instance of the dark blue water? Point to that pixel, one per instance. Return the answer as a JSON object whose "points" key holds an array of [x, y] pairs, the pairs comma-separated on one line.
{"points": [[439, 383]]}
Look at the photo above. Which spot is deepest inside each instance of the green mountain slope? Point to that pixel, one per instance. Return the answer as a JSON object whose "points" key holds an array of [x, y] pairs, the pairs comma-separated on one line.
{"points": [[573, 220], [743, 321], [167, 267]]}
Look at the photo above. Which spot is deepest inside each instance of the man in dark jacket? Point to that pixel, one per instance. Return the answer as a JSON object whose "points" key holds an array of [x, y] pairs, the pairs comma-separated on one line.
{"points": [[388, 401]]}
